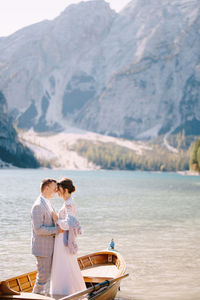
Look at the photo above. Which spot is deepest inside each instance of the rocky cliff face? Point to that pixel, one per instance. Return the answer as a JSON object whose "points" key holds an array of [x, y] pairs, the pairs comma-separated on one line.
{"points": [[11, 150], [134, 74]]}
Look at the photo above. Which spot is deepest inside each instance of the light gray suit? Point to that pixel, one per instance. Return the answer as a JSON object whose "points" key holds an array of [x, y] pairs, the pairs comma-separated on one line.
{"points": [[43, 234]]}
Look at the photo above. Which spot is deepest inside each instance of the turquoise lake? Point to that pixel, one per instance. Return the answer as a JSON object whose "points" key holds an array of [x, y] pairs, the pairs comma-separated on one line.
{"points": [[154, 219]]}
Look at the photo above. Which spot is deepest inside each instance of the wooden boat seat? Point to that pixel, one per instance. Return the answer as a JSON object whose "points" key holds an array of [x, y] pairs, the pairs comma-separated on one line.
{"points": [[101, 271], [93, 279]]}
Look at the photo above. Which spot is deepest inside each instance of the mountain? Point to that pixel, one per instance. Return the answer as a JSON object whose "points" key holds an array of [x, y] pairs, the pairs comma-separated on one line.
{"points": [[133, 74], [12, 151]]}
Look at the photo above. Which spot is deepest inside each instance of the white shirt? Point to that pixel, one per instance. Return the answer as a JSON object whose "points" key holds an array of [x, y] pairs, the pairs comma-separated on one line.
{"points": [[48, 203]]}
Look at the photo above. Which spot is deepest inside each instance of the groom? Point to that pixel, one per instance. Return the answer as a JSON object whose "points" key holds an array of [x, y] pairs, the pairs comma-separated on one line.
{"points": [[43, 233]]}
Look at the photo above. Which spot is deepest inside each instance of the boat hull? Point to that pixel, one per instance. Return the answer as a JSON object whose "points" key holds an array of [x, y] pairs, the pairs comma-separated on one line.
{"points": [[96, 268]]}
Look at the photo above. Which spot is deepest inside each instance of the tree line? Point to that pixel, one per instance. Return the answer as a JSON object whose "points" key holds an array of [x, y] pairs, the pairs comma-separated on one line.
{"points": [[115, 157], [195, 156]]}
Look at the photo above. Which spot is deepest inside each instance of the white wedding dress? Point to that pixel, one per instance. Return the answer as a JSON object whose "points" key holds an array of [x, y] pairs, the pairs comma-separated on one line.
{"points": [[66, 277]]}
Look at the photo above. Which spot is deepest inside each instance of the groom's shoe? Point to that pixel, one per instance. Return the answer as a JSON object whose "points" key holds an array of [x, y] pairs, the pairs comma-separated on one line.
{"points": [[38, 290], [40, 293]]}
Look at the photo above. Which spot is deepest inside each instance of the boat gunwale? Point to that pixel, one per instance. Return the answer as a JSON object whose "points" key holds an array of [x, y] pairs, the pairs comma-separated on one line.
{"points": [[118, 257]]}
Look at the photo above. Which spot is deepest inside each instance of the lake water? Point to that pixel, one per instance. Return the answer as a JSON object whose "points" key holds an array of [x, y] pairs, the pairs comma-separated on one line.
{"points": [[154, 219]]}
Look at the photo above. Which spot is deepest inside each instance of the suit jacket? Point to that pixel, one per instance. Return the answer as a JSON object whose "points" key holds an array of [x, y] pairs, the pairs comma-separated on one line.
{"points": [[43, 229]]}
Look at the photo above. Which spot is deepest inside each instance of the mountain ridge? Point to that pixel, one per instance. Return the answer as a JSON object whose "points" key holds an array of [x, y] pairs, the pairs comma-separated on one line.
{"points": [[133, 74]]}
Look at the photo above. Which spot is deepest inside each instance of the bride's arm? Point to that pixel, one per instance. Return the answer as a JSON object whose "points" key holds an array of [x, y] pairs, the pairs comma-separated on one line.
{"points": [[62, 220]]}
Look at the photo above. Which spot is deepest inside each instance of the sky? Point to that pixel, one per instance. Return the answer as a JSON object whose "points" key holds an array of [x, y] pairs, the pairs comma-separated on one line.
{"points": [[16, 14]]}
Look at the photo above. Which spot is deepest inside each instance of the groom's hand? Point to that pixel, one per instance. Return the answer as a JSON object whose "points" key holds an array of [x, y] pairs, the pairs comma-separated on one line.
{"points": [[54, 216], [60, 230]]}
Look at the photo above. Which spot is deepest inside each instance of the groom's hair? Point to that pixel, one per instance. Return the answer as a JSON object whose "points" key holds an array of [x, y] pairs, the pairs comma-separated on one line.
{"points": [[45, 182]]}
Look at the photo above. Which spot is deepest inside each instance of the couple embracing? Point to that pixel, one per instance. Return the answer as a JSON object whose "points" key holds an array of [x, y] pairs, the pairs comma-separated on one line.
{"points": [[54, 240]]}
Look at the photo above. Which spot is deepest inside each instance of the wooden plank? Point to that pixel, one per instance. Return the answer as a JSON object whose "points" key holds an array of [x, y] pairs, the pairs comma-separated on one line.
{"points": [[31, 284], [90, 260], [83, 266], [25, 285], [20, 289], [96, 279], [16, 288], [28, 290], [33, 275], [23, 279], [85, 262], [96, 259], [12, 283], [99, 259], [13, 279]]}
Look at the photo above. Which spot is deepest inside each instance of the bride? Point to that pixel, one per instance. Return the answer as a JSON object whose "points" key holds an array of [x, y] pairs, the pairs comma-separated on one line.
{"points": [[66, 277]]}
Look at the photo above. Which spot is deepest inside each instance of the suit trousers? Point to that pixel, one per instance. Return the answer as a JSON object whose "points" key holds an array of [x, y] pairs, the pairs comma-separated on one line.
{"points": [[43, 274]]}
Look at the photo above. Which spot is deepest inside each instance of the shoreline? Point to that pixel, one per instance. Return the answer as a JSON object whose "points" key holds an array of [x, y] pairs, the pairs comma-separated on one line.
{"points": [[8, 166], [188, 173]]}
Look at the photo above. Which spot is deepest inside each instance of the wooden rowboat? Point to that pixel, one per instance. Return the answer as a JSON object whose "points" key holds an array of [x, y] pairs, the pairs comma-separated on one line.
{"points": [[102, 272]]}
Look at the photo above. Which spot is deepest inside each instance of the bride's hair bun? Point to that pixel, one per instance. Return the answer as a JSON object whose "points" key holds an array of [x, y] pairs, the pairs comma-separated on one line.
{"points": [[67, 183]]}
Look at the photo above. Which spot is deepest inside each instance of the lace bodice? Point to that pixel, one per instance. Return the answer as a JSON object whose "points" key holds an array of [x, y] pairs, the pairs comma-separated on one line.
{"points": [[69, 207]]}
